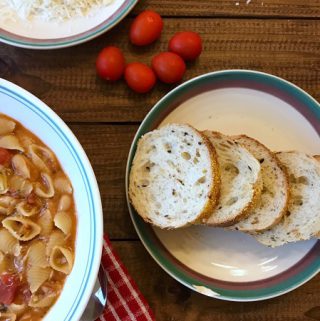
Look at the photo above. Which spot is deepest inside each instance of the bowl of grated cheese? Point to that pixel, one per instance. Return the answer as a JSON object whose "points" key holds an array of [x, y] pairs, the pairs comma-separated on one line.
{"points": [[51, 24]]}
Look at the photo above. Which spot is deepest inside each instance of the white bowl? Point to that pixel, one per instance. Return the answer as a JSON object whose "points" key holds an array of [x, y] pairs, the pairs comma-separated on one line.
{"points": [[43, 122]]}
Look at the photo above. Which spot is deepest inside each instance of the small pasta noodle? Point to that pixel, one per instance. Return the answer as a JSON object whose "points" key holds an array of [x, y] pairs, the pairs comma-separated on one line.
{"points": [[46, 222], [3, 183], [36, 276], [62, 185], [7, 126], [11, 142], [20, 167], [57, 238], [8, 243], [63, 221], [42, 301], [7, 204], [17, 309], [64, 203], [5, 263], [45, 189], [25, 209], [21, 228], [42, 157], [20, 186], [36, 255], [61, 259]]}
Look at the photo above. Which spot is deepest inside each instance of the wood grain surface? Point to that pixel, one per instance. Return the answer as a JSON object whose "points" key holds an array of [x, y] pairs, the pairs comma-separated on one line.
{"points": [[107, 147], [233, 8], [66, 80], [276, 36]]}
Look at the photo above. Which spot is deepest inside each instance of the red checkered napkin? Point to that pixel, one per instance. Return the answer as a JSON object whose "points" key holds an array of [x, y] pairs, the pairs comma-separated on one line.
{"points": [[125, 301]]}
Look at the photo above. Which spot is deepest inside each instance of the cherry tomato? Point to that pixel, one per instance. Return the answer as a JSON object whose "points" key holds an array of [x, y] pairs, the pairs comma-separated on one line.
{"points": [[187, 44], [5, 156], [110, 63], [146, 28], [139, 77], [169, 67]]}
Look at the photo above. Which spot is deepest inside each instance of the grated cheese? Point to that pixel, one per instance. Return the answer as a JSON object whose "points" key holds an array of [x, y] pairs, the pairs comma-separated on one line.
{"points": [[49, 10]]}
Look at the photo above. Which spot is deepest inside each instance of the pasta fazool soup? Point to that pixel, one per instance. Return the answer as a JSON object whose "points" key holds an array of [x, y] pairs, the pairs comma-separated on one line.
{"points": [[38, 225]]}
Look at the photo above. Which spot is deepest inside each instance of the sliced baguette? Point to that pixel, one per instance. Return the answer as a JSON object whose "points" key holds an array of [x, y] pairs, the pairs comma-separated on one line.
{"points": [[174, 179], [317, 157], [273, 202], [241, 182], [302, 220]]}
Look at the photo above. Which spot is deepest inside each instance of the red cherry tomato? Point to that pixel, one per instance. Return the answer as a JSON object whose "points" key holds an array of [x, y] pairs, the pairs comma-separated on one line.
{"points": [[5, 156], [187, 44], [110, 63], [139, 77], [146, 28], [169, 67]]}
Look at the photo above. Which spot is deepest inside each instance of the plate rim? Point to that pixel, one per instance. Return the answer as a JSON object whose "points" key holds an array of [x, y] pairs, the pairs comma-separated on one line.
{"points": [[135, 218], [64, 42]]}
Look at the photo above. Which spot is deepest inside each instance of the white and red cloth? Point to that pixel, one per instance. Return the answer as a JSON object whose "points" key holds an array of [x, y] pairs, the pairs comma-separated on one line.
{"points": [[125, 301]]}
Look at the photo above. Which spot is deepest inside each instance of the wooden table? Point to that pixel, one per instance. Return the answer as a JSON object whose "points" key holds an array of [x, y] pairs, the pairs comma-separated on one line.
{"points": [[281, 37]]}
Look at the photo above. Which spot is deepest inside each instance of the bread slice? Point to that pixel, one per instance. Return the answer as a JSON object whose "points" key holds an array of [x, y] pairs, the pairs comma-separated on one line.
{"points": [[273, 202], [241, 182], [302, 220], [174, 179], [317, 157]]}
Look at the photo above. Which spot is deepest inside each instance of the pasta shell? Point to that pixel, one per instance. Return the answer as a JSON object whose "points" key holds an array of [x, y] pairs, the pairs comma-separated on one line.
{"points": [[64, 203], [3, 183], [7, 316], [6, 126], [42, 157], [7, 205], [20, 166], [36, 276], [37, 301], [46, 223], [25, 209], [61, 259], [10, 142], [8, 243], [5, 263], [62, 185], [45, 190], [17, 309], [20, 185], [56, 238], [21, 228], [63, 221], [37, 255]]}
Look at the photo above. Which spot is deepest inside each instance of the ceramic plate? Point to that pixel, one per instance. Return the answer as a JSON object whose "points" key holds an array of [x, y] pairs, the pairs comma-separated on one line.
{"points": [[223, 264], [50, 35]]}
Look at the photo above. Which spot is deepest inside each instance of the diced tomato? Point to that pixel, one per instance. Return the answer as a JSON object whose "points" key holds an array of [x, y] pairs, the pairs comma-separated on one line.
{"points": [[5, 156], [8, 287]]}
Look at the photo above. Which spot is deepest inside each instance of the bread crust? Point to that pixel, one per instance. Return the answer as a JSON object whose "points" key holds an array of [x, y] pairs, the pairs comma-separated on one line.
{"points": [[257, 188], [214, 195], [286, 187]]}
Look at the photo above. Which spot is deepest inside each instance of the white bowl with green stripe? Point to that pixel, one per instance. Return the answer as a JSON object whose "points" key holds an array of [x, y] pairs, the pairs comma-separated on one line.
{"points": [[45, 124], [223, 264], [39, 34]]}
